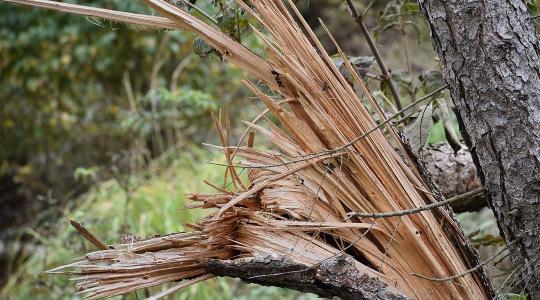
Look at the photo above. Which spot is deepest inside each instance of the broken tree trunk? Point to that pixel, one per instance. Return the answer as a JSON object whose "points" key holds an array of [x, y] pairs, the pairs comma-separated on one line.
{"points": [[491, 61], [296, 209]]}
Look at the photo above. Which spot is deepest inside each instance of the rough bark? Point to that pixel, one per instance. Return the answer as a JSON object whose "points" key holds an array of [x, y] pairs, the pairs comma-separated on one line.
{"points": [[490, 59], [335, 277], [455, 174]]}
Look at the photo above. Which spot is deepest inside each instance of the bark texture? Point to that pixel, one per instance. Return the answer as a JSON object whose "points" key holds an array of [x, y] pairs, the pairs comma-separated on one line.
{"points": [[490, 58], [335, 277], [455, 174]]}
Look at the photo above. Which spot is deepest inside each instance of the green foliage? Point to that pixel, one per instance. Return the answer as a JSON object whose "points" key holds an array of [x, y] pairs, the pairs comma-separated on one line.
{"points": [[436, 134], [201, 48], [398, 14], [229, 18], [85, 173], [403, 83], [419, 126], [68, 82], [232, 20], [156, 207], [532, 5], [430, 80], [512, 296], [184, 111]]}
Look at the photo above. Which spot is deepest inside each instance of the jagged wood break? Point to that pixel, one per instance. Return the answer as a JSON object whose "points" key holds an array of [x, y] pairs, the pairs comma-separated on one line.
{"points": [[291, 212]]}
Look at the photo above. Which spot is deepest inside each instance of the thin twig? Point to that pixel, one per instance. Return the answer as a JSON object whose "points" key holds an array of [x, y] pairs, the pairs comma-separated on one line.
{"points": [[366, 10], [509, 282], [339, 149], [469, 271], [418, 209], [202, 12], [405, 42], [387, 76]]}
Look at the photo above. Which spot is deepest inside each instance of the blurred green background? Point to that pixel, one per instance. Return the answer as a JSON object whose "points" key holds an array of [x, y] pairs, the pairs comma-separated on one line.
{"points": [[103, 122]]}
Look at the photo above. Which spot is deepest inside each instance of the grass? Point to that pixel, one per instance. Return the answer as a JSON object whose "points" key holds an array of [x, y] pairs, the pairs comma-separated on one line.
{"points": [[156, 207]]}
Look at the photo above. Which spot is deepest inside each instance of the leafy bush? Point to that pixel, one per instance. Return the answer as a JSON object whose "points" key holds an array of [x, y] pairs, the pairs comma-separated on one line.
{"points": [[77, 91]]}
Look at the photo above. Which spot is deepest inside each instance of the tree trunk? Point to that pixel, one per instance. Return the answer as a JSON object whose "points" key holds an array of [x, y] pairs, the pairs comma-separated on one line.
{"points": [[490, 59]]}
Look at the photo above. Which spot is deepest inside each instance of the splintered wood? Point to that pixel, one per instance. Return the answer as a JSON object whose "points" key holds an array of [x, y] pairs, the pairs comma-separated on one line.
{"points": [[296, 199]]}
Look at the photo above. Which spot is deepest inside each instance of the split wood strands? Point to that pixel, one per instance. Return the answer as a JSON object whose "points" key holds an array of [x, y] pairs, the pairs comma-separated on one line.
{"points": [[296, 200]]}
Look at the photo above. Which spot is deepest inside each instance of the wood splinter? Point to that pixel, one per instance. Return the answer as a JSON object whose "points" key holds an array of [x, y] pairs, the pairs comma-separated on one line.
{"points": [[88, 235]]}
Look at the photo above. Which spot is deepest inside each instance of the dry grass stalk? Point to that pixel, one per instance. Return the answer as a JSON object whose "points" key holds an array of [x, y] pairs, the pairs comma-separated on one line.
{"points": [[295, 203]]}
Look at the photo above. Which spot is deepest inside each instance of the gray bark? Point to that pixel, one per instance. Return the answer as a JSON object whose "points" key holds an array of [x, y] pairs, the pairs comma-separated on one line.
{"points": [[490, 59], [335, 277], [455, 174]]}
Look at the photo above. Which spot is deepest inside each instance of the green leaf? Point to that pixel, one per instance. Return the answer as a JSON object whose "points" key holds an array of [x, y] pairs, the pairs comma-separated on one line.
{"points": [[532, 6], [410, 8], [418, 130], [84, 174], [441, 105], [394, 13], [512, 296], [403, 84]]}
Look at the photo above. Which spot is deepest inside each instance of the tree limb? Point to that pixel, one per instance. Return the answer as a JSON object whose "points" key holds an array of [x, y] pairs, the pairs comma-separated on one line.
{"points": [[335, 277]]}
